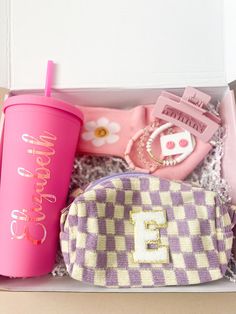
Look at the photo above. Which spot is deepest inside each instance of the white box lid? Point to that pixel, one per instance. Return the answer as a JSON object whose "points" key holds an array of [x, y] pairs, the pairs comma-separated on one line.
{"points": [[110, 43]]}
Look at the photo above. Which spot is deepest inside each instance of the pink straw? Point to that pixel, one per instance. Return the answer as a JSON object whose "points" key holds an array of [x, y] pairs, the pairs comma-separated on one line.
{"points": [[49, 77]]}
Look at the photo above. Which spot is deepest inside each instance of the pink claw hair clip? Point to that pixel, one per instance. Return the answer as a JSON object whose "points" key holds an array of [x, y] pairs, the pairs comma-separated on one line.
{"points": [[178, 137], [188, 112]]}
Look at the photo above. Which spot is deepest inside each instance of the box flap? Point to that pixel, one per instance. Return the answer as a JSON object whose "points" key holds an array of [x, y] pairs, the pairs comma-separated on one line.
{"points": [[66, 284], [230, 39], [118, 43]]}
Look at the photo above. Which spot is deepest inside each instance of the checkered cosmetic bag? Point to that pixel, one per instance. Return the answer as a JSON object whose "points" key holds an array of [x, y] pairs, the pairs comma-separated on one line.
{"points": [[137, 230]]}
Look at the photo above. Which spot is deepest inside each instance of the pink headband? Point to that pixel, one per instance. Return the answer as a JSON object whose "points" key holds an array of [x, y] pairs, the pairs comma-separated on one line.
{"points": [[138, 134]]}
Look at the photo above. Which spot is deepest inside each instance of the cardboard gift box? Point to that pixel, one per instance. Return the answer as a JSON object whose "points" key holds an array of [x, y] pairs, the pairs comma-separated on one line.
{"points": [[122, 54]]}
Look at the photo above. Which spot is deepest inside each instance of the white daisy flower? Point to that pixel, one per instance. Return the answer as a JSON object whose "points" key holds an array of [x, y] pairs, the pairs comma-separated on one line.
{"points": [[101, 132]]}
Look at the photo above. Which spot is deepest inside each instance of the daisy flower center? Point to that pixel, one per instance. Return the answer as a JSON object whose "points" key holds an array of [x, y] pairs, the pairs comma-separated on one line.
{"points": [[101, 131]]}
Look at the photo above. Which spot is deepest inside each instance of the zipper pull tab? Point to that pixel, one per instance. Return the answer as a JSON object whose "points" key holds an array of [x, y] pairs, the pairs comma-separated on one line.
{"points": [[77, 192]]}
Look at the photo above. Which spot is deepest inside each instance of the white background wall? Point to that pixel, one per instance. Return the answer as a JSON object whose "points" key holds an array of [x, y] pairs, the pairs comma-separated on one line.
{"points": [[132, 43], [4, 43]]}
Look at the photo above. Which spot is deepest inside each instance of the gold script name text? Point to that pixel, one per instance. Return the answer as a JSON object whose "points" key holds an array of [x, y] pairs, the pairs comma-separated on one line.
{"points": [[28, 222]]}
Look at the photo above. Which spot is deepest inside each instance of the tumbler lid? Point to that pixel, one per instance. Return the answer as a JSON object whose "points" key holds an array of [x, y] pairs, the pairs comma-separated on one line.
{"points": [[43, 101]]}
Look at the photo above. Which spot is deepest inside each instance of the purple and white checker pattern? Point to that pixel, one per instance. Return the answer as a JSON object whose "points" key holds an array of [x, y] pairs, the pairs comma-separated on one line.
{"points": [[97, 236]]}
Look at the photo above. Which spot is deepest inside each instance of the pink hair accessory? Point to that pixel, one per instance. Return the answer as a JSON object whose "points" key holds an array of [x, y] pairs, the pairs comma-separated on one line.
{"points": [[188, 112]]}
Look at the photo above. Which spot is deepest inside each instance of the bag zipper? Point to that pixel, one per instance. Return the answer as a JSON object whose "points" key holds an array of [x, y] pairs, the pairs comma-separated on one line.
{"points": [[117, 175], [103, 179], [132, 174]]}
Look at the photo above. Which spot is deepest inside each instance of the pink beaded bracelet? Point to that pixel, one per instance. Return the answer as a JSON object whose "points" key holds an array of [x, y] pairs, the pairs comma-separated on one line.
{"points": [[140, 136]]}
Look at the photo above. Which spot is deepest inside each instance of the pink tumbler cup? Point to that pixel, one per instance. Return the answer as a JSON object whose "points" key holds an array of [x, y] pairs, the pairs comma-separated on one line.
{"points": [[39, 144]]}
